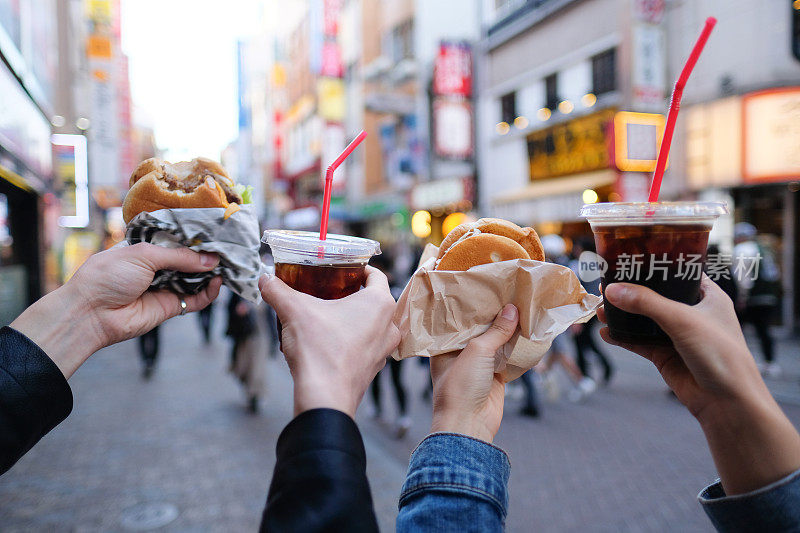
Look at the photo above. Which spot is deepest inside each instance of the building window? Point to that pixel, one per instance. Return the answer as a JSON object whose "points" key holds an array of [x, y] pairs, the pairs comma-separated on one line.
{"points": [[402, 42], [604, 72], [508, 107], [551, 91]]}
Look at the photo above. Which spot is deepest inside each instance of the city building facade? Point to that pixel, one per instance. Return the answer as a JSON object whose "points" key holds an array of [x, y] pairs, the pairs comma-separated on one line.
{"points": [[739, 129], [573, 113]]}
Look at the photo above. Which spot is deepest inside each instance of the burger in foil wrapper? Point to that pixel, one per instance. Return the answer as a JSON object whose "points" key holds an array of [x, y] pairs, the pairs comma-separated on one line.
{"points": [[197, 205]]}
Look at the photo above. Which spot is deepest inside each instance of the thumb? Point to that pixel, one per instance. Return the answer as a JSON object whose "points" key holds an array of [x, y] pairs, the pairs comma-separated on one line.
{"points": [[672, 316], [278, 295], [499, 333]]}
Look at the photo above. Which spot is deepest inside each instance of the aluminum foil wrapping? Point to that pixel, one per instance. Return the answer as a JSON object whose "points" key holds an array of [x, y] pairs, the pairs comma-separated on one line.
{"points": [[236, 240]]}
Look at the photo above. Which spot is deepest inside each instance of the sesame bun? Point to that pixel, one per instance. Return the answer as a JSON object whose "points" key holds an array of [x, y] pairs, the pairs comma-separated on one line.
{"points": [[489, 240], [157, 184]]}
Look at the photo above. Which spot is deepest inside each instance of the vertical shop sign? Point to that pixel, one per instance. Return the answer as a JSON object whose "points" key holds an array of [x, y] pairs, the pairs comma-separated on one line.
{"points": [[649, 55], [71, 172], [452, 108], [104, 130]]}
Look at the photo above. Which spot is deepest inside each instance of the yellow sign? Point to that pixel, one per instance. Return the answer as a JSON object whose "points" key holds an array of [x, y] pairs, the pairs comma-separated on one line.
{"points": [[99, 11], [331, 99], [580, 145], [99, 47], [78, 247], [278, 75], [637, 139]]}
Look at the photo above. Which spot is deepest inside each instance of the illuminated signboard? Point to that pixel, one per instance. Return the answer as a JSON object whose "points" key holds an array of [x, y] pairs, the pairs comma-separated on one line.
{"points": [[637, 138], [452, 69], [72, 171], [580, 145], [771, 135]]}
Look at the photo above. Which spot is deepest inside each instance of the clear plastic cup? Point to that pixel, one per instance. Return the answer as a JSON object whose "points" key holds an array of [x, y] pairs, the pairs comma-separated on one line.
{"points": [[329, 269], [660, 245]]}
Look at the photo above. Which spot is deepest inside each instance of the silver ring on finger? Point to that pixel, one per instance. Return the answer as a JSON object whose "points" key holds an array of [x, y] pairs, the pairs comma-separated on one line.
{"points": [[183, 305]]}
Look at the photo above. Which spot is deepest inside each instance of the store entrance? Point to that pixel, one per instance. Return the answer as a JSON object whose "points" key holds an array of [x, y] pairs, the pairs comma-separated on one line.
{"points": [[775, 211], [20, 283]]}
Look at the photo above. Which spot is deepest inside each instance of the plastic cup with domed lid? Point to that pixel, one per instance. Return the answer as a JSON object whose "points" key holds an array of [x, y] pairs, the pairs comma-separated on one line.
{"points": [[661, 245], [329, 269]]}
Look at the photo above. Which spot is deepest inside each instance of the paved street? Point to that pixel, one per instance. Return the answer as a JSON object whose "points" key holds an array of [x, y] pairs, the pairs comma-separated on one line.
{"points": [[181, 449]]}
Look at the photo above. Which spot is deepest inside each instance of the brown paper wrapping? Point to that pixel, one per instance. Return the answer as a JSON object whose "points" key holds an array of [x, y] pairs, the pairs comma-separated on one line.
{"points": [[440, 311]]}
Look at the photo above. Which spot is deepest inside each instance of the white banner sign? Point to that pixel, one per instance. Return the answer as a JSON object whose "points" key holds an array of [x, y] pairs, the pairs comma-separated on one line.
{"points": [[104, 130], [649, 66]]}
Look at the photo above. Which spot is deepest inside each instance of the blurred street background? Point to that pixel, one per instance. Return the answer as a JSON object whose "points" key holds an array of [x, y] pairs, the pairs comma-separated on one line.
{"points": [[520, 109], [180, 453]]}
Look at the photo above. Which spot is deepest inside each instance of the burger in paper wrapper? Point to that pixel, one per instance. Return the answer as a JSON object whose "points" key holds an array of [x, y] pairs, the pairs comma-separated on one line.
{"points": [[440, 310], [197, 205]]}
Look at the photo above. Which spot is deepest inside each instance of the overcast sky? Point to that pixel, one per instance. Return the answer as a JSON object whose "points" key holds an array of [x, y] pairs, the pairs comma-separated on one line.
{"points": [[183, 69]]}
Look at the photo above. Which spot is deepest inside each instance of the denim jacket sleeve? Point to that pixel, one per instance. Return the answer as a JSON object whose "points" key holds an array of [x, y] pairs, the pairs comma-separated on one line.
{"points": [[454, 482], [775, 507]]}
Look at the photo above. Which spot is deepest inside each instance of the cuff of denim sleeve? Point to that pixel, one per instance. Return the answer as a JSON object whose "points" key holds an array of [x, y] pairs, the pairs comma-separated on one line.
{"points": [[46, 389], [765, 508], [458, 463], [321, 429]]}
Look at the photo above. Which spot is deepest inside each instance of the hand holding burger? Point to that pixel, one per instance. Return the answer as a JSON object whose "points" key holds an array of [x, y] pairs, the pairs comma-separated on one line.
{"points": [[191, 204]]}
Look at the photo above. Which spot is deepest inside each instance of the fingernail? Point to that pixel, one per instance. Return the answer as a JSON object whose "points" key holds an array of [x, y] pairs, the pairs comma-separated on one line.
{"points": [[207, 259], [262, 281], [509, 312], [616, 291]]}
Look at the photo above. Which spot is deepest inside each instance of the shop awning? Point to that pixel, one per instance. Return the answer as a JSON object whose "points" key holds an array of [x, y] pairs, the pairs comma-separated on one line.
{"points": [[558, 199], [15, 179], [558, 186]]}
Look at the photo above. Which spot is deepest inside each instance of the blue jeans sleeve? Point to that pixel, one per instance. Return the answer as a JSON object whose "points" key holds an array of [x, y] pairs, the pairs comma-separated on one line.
{"points": [[454, 483], [775, 507]]}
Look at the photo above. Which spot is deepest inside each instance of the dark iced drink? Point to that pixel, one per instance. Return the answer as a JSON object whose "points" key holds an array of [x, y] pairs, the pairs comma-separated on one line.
{"points": [[329, 269], [661, 246], [329, 282]]}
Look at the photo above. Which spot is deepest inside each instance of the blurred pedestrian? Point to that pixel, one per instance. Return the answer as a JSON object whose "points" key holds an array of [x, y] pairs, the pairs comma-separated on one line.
{"points": [[148, 351], [248, 356], [204, 316], [272, 331], [557, 355], [531, 407], [403, 422], [555, 251], [720, 271], [758, 289], [583, 334]]}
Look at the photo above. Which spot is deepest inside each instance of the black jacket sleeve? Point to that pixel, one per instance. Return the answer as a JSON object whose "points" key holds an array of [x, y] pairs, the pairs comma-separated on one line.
{"points": [[320, 480], [34, 396]]}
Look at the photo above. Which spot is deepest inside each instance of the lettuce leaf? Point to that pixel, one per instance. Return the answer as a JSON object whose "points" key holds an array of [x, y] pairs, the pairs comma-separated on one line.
{"points": [[245, 192]]}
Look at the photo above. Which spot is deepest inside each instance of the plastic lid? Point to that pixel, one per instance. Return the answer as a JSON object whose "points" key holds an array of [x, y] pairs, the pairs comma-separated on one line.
{"points": [[627, 211], [307, 243]]}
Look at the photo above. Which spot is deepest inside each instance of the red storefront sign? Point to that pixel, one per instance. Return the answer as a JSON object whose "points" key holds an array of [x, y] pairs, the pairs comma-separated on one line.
{"points": [[452, 69]]}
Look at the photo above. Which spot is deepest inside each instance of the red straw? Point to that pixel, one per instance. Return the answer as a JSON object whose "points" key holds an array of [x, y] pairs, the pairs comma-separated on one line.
{"points": [[674, 107], [326, 200]]}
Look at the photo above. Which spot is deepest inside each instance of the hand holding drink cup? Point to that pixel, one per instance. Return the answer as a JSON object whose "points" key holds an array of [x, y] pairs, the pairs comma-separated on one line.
{"points": [[334, 334], [686, 325], [661, 245]]}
